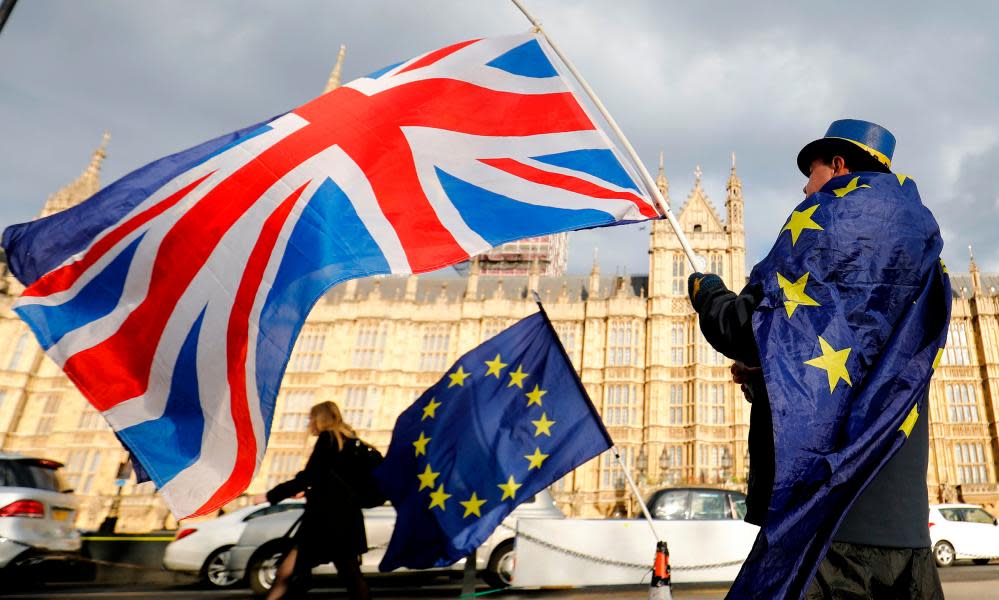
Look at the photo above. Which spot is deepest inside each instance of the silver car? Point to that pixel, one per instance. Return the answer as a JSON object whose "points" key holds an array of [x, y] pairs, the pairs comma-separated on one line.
{"points": [[37, 513], [263, 543]]}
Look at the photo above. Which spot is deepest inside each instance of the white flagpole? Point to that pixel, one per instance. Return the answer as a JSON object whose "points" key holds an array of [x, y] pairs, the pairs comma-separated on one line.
{"points": [[696, 262], [638, 495]]}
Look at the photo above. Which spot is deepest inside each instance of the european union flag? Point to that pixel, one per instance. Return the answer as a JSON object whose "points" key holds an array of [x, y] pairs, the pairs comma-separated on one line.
{"points": [[508, 419], [853, 322]]}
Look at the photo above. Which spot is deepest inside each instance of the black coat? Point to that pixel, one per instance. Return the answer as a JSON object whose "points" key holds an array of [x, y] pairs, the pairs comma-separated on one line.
{"points": [[333, 524], [727, 323]]}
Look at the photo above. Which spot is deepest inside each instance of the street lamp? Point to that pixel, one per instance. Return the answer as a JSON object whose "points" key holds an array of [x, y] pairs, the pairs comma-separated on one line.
{"points": [[726, 464], [664, 464], [642, 464]]}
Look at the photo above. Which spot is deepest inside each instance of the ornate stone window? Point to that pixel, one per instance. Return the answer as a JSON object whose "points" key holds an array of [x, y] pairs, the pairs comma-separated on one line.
{"points": [[568, 333], [678, 344], [677, 407], [308, 352], [621, 405], [295, 416], [17, 353], [611, 476], [435, 348], [91, 420], [679, 274], [622, 343], [359, 406], [369, 348], [490, 327], [48, 415], [81, 468], [969, 462], [711, 404], [284, 465], [956, 352], [962, 403]]}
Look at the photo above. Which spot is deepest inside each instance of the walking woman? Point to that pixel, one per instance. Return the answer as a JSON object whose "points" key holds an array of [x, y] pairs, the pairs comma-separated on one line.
{"points": [[332, 528]]}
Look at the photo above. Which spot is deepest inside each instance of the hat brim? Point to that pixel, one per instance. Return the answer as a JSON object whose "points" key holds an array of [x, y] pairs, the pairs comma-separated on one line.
{"points": [[856, 157]]}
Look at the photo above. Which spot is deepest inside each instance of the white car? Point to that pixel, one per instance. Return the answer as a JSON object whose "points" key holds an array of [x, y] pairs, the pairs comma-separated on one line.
{"points": [[960, 531], [263, 544], [202, 547]]}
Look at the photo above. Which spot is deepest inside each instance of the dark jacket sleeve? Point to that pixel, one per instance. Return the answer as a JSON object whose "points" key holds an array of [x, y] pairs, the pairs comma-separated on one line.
{"points": [[316, 470], [727, 322]]}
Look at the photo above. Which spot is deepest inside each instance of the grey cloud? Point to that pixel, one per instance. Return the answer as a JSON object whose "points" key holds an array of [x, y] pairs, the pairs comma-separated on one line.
{"points": [[697, 80]]}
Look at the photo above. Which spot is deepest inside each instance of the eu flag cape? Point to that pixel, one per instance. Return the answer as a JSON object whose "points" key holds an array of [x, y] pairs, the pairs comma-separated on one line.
{"points": [[508, 419], [852, 323]]}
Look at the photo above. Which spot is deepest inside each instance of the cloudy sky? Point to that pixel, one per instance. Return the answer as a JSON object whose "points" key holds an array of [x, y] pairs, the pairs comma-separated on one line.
{"points": [[697, 80]]}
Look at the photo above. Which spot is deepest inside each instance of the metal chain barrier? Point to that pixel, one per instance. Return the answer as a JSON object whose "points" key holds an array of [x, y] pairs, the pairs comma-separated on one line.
{"points": [[612, 562]]}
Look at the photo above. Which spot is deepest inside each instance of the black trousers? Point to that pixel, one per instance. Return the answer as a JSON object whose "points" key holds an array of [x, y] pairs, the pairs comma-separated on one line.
{"points": [[348, 569], [857, 572]]}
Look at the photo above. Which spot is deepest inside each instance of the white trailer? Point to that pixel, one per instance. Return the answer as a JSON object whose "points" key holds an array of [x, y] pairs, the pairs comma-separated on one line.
{"points": [[590, 552]]}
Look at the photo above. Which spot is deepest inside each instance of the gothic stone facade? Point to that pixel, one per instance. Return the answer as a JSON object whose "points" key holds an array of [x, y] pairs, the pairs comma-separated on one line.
{"points": [[374, 345]]}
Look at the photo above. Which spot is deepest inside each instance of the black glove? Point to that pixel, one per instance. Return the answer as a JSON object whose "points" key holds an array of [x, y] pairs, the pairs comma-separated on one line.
{"points": [[699, 286]]}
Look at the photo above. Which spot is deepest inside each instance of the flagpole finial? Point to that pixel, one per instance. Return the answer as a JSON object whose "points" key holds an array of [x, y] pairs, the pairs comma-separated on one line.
{"points": [[334, 81]]}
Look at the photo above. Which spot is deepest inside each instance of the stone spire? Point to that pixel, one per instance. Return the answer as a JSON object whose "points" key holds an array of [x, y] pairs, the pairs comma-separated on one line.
{"points": [[661, 182], [534, 277], [976, 277], [472, 289], [412, 282], [595, 276], [334, 80], [697, 177], [83, 187], [733, 203]]}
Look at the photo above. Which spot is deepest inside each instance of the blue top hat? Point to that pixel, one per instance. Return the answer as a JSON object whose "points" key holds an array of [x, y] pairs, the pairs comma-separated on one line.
{"points": [[866, 146]]}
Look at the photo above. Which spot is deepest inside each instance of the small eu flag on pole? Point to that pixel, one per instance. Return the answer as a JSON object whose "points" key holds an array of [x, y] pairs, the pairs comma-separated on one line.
{"points": [[507, 420]]}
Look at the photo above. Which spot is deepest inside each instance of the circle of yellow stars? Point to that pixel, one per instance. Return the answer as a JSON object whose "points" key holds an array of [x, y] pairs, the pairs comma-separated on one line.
{"points": [[542, 426]]}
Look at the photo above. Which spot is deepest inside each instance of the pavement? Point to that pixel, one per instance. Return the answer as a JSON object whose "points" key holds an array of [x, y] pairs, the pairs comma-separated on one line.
{"points": [[962, 582]]}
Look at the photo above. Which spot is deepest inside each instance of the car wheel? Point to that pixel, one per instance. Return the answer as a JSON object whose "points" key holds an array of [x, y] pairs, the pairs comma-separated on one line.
{"points": [[981, 561], [263, 570], [499, 572], [216, 569], [943, 553]]}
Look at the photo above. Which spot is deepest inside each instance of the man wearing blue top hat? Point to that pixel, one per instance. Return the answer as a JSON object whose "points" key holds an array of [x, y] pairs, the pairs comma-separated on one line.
{"points": [[835, 338]]}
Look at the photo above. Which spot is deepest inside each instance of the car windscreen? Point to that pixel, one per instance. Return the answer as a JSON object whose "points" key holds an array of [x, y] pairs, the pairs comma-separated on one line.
{"points": [[671, 505], [19, 473], [708, 506]]}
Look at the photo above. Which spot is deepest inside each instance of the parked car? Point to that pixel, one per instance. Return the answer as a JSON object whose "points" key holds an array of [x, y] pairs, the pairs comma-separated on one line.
{"points": [[203, 547], [961, 531], [704, 526], [263, 543], [697, 504], [37, 515]]}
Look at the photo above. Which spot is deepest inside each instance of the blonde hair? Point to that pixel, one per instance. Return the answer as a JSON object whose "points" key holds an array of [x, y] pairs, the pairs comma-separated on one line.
{"points": [[326, 417]]}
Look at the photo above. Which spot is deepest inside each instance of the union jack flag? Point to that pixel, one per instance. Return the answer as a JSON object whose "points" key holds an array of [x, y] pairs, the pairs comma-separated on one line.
{"points": [[172, 298]]}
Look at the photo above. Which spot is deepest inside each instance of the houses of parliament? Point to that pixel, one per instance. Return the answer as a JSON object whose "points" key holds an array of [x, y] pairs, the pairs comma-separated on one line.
{"points": [[374, 345]]}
